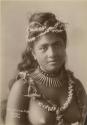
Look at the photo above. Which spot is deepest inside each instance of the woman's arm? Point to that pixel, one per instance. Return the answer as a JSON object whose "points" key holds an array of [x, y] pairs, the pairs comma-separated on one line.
{"points": [[17, 105]]}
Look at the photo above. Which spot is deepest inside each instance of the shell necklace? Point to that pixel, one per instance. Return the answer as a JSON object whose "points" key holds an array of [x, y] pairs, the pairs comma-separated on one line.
{"points": [[50, 107]]}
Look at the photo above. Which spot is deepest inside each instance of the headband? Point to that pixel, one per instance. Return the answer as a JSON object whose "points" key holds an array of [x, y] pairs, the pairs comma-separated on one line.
{"points": [[35, 27]]}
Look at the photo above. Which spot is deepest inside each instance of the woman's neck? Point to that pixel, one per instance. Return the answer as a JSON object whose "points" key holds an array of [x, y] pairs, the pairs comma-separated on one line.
{"points": [[52, 74]]}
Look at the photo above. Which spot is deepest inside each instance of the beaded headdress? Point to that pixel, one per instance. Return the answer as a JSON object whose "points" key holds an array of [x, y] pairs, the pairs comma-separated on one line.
{"points": [[38, 29]]}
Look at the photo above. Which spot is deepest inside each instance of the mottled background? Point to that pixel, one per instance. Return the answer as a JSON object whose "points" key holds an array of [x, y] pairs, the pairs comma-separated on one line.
{"points": [[13, 26]]}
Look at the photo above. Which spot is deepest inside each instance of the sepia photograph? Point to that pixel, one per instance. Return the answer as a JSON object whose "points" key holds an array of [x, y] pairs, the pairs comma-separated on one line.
{"points": [[43, 62]]}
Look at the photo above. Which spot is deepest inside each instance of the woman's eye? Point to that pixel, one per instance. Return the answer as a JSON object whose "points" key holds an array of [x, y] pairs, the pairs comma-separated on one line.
{"points": [[58, 45], [43, 48]]}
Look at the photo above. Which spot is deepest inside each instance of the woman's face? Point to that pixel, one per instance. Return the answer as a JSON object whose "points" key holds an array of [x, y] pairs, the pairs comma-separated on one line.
{"points": [[49, 51]]}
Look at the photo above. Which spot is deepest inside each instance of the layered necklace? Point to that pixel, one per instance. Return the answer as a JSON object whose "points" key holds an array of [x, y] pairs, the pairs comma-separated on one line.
{"points": [[51, 81]]}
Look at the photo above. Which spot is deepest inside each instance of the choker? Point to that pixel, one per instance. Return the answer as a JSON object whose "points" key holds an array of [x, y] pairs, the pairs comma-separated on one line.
{"points": [[49, 74], [48, 80]]}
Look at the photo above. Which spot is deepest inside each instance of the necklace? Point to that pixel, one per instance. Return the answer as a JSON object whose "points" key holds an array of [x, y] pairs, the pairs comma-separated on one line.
{"points": [[48, 74], [50, 107], [48, 80]]}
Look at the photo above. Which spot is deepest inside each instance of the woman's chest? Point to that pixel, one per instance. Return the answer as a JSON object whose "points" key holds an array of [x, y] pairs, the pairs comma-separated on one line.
{"points": [[56, 95], [40, 115]]}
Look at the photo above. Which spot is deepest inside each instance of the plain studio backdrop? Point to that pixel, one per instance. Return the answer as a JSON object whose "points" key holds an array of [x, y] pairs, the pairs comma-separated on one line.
{"points": [[14, 16]]}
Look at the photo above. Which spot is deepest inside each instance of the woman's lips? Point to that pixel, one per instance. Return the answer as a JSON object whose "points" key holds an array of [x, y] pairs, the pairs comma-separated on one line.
{"points": [[52, 61]]}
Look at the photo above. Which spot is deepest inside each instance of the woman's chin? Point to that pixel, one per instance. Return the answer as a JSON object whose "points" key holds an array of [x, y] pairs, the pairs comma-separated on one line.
{"points": [[53, 68]]}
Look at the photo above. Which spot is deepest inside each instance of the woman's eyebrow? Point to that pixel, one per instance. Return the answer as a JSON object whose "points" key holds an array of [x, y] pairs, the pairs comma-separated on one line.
{"points": [[55, 42], [43, 44], [47, 44]]}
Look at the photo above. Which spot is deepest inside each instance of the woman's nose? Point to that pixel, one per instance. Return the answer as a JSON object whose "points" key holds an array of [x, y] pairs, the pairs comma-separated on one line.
{"points": [[51, 52]]}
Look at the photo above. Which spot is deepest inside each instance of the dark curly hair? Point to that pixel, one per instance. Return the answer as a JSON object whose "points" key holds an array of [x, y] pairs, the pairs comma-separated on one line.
{"points": [[28, 62]]}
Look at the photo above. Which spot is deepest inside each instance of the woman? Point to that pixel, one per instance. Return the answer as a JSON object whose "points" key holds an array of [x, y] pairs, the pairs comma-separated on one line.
{"points": [[45, 92]]}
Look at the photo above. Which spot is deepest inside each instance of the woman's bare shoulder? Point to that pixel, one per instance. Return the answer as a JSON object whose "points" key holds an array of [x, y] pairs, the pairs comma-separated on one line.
{"points": [[19, 86], [18, 91]]}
